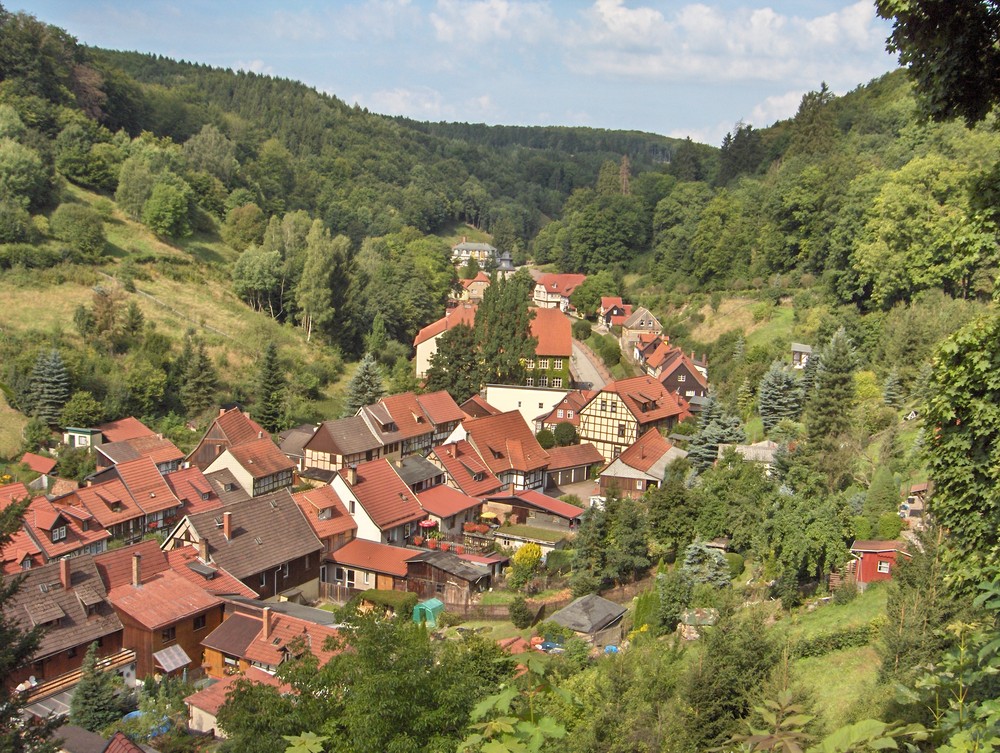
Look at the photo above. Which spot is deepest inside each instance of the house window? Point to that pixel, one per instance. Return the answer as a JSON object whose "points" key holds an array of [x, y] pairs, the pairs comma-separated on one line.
{"points": [[58, 533], [557, 382], [543, 381], [529, 382], [71, 654], [200, 621], [284, 570], [168, 634], [604, 405], [883, 566], [638, 484], [543, 363], [682, 377], [621, 430], [558, 364], [530, 363], [560, 412], [367, 576], [569, 414], [614, 407], [26, 565], [350, 506], [263, 580]]}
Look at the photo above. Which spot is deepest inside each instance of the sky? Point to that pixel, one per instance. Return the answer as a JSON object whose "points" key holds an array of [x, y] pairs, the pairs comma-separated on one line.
{"points": [[670, 67]]}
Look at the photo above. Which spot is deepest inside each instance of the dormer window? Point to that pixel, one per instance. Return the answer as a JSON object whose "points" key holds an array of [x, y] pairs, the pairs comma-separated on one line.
{"points": [[58, 533], [205, 496], [325, 514], [116, 506]]}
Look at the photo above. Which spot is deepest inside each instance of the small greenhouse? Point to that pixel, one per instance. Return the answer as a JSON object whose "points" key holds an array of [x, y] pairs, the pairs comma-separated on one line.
{"points": [[428, 611]]}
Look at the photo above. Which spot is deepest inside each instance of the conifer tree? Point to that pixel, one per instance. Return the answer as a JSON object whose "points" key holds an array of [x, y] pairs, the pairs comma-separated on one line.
{"points": [[892, 391], [745, 398], [828, 413], [199, 381], [271, 387], [365, 387], [778, 396], [455, 365], [17, 646], [376, 340], [503, 329], [716, 427], [50, 387], [96, 701]]}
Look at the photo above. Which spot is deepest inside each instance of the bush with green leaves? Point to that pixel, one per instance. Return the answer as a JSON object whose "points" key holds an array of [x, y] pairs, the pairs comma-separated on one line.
{"points": [[565, 434], [581, 329], [520, 613], [79, 226], [546, 439]]}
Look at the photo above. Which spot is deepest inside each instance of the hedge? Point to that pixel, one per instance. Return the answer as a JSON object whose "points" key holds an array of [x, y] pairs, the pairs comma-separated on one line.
{"points": [[400, 601], [853, 637]]}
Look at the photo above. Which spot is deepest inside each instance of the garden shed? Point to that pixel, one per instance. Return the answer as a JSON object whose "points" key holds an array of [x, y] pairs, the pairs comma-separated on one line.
{"points": [[428, 611]]}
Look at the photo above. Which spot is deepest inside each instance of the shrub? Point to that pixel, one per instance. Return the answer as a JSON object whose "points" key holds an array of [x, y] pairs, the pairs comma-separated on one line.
{"points": [[79, 226], [888, 526], [520, 613], [565, 434], [735, 562], [553, 631], [559, 561], [847, 593], [546, 439], [449, 619], [581, 329]]}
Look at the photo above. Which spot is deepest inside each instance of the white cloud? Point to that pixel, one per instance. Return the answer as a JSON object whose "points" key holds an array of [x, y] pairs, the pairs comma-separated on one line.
{"points": [[421, 103], [484, 21], [702, 43], [774, 108], [253, 66], [709, 134]]}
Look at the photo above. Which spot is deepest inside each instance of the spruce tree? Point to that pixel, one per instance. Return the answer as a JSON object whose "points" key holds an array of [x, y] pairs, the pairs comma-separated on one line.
{"points": [[199, 381], [17, 646], [715, 427], [892, 391], [365, 387], [828, 413], [50, 387], [269, 411], [376, 340], [96, 701], [778, 396]]}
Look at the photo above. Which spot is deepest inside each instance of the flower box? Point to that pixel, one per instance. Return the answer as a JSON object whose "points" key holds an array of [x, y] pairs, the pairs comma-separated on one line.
{"points": [[445, 546], [432, 543], [418, 541]]}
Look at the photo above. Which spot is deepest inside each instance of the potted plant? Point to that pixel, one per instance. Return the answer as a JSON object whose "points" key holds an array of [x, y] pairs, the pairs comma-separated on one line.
{"points": [[418, 541], [459, 549], [432, 543], [445, 546]]}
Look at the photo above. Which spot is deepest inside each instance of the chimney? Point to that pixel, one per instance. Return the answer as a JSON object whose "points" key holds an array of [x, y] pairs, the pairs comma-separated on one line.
{"points": [[222, 411], [352, 475], [203, 550], [267, 622], [64, 573], [227, 525], [136, 569], [260, 435]]}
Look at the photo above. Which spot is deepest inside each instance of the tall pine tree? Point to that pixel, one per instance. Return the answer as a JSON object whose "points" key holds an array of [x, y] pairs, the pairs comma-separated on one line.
{"points": [[716, 427], [365, 387], [503, 329], [96, 701], [828, 412], [50, 387], [778, 396], [199, 381], [271, 387]]}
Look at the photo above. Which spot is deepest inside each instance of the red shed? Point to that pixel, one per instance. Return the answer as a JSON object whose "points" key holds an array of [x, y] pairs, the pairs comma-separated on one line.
{"points": [[875, 560]]}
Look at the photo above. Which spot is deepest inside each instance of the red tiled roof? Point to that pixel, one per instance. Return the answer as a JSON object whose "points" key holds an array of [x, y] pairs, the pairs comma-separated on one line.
{"points": [[102, 499], [620, 319], [13, 493], [554, 333], [481, 277], [645, 451], [286, 629], [239, 428], [42, 517], [683, 359], [370, 555], [875, 545], [221, 582], [20, 547], [387, 500], [573, 401], [543, 502], [210, 699], [261, 457], [574, 456], [121, 744], [156, 448], [409, 417], [563, 284], [463, 464], [464, 314], [123, 429], [443, 501], [515, 645], [324, 498], [440, 407], [641, 390], [115, 566], [191, 487], [477, 407], [146, 485], [38, 463], [162, 599], [506, 443], [609, 302]]}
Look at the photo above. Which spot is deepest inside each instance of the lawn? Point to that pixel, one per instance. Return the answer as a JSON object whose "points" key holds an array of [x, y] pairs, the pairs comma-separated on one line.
{"points": [[11, 424], [826, 619], [533, 532], [835, 681]]}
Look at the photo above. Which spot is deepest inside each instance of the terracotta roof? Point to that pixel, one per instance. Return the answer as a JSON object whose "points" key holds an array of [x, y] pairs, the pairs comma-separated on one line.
{"points": [[325, 512], [563, 284], [406, 413], [115, 566], [20, 547], [42, 517], [466, 469], [124, 429], [661, 354], [109, 502], [683, 359], [463, 314], [162, 599], [610, 302], [156, 448], [443, 501], [506, 443], [191, 487], [370, 555], [211, 578], [440, 407], [387, 500], [574, 401], [617, 320], [574, 456], [477, 407], [862, 545], [121, 744], [13, 493], [273, 520], [646, 451], [238, 428], [552, 329], [345, 436], [38, 463], [211, 698], [285, 631], [261, 457], [641, 391], [480, 277], [146, 485], [542, 502], [515, 645], [41, 594]]}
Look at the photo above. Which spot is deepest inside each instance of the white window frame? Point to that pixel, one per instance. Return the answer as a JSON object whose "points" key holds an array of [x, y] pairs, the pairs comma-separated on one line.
{"points": [[543, 363], [884, 567], [557, 364]]}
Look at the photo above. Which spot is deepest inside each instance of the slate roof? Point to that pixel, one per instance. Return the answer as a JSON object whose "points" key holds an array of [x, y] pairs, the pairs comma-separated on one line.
{"points": [[42, 593], [552, 329], [506, 443], [642, 314], [589, 614], [443, 501], [345, 436], [373, 556], [451, 564], [463, 314], [234, 634], [387, 500], [38, 463], [414, 469], [293, 441], [272, 519], [225, 485], [324, 500], [162, 599], [78, 740], [146, 485], [440, 407], [212, 578], [641, 391], [261, 457], [124, 429], [464, 466], [574, 456]]}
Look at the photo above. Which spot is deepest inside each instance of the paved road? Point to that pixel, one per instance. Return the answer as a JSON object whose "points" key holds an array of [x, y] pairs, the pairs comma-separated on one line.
{"points": [[584, 367]]}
